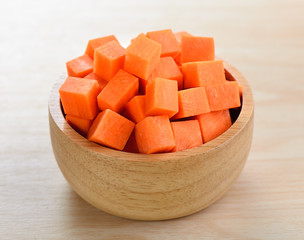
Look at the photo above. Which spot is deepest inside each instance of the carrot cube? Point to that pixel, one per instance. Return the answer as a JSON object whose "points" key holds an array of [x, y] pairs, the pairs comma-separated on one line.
{"points": [[177, 59], [108, 59], [120, 89], [80, 125], [135, 109], [223, 96], [131, 145], [154, 134], [201, 74], [187, 134], [197, 49], [97, 42], [192, 101], [240, 90], [80, 66], [214, 124], [139, 35], [142, 57], [178, 36], [161, 97], [168, 69], [111, 129], [79, 97], [102, 83], [142, 86], [169, 44]]}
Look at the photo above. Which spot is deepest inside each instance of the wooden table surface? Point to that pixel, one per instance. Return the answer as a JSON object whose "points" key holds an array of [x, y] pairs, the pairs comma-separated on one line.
{"points": [[263, 39]]}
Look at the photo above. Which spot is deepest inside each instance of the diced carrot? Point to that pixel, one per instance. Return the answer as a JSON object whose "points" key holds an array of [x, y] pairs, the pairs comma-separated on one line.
{"points": [[197, 49], [80, 66], [154, 134], [108, 59], [177, 59], [169, 44], [202, 74], [240, 90], [141, 34], [178, 36], [120, 89], [97, 42], [223, 96], [168, 69], [187, 134], [131, 145], [180, 78], [102, 83], [135, 109], [214, 124], [111, 129], [142, 86], [142, 57], [161, 97], [228, 76], [79, 97], [80, 125], [191, 102]]}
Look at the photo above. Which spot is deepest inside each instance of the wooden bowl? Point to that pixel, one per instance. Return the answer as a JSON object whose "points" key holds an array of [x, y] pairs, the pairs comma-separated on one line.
{"points": [[157, 186]]}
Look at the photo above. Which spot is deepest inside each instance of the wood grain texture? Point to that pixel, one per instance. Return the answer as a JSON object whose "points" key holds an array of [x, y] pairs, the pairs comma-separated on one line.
{"points": [[152, 186], [263, 39]]}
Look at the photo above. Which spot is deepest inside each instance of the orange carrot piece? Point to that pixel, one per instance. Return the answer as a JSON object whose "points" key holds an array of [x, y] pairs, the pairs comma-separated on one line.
{"points": [[187, 134], [79, 97], [223, 96], [201, 74], [135, 109], [111, 129], [192, 101], [108, 59], [169, 44], [181, 69], [154, 134], [98, 42], [142, 86], [131, 145], [120, 89], [102, 83], [142, 57], [161, 97], [178, 36], [168, 69], [177, 59], [80, 66], [80, 125], [197, 49], [214, 124], [240, 90], [141, 34]]}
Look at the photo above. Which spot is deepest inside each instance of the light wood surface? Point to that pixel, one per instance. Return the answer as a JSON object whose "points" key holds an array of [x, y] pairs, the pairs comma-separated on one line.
{"points": [[153, 186], [263, 39]]}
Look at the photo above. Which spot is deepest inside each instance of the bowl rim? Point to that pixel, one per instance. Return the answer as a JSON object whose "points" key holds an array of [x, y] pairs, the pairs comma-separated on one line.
{"points": [[55, 112]]}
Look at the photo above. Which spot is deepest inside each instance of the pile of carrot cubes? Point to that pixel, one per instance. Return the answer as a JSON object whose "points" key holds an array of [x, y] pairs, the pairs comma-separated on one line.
{"points": [[164, 93]]}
